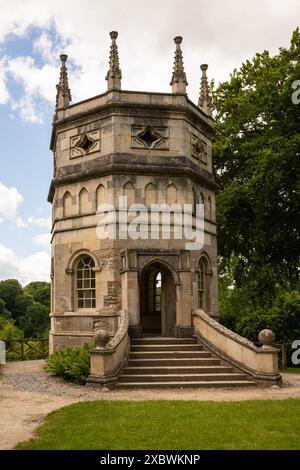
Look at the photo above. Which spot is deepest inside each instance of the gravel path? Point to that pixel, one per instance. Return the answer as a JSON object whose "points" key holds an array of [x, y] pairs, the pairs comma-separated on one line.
{"points": [[27, 394]]}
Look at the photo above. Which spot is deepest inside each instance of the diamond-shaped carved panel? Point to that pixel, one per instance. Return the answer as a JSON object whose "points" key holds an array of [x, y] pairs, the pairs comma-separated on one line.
{"points": [[84, 144], [150, 137], [199, 148]]}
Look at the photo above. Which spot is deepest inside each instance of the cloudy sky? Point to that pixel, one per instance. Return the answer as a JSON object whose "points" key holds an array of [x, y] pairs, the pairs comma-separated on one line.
{"points": [[222, 33]]}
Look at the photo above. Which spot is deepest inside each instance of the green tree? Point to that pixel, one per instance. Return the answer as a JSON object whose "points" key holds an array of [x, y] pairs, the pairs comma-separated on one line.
{"points": [[256, 155], [4, 313], [9, 331], [35, 322], [29, 307], [40, 291], [16, 302]]}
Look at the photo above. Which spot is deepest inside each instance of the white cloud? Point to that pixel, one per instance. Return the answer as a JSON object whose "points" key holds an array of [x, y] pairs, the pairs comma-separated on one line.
{"points": [[4, 94], [10, 199], [39, 221], [25, 108], [35, 267], [38, 84], [42, 239], [222, 34]]}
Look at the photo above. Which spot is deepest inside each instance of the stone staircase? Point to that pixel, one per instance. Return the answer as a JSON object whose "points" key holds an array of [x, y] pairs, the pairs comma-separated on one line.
{"points": [[159, 362]]}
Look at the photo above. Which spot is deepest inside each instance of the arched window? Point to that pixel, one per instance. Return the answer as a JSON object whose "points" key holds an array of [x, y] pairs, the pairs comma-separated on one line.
{"points": [[150, 194], [128, 191], [171, 194], [201, 285], [100, 196], [195, 201], [84, 205], [201, 198], [85, 283], [67, 204], [209, 208]]}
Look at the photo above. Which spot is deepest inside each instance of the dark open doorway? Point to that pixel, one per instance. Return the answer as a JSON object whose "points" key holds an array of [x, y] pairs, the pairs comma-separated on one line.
{"points": [[157, 300]]}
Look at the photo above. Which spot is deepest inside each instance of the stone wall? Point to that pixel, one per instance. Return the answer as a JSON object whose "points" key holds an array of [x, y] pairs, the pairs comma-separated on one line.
{"points": [[104, 147]]}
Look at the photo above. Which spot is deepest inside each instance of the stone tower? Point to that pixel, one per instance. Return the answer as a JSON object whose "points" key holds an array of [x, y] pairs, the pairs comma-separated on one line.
{"points": [[152, 148]]}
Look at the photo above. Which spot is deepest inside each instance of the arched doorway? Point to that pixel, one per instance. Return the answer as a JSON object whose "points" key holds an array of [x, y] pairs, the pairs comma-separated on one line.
{"points": [[157, 300]]}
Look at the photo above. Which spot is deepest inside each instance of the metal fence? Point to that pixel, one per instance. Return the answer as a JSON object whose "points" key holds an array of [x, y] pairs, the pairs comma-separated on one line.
{"points": [[25, 349]]}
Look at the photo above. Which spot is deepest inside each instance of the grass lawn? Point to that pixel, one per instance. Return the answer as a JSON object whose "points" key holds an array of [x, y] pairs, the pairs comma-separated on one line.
{"points": [[162, 425], [291, 370]]}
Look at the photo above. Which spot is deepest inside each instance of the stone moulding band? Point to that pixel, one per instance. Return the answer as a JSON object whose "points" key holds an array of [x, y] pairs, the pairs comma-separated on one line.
{"points": [[260, 364], [126, 163]]}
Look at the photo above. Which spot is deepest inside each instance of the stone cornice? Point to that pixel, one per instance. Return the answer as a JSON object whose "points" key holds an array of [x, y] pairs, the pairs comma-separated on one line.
{"points": [[129, 164]]}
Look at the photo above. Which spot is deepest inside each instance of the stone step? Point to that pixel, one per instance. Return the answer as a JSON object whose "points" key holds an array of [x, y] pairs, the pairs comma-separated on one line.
{"points": [[179, 362], [207, 384], [157, 362], [166, 347], [161, 340], [168, 354], [216, 369], [142, 378]]}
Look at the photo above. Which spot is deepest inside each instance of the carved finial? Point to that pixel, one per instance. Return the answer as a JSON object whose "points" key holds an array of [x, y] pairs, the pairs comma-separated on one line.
{"points": [[267, 338], [114, 73], [63, 94], [178, 81], [204, 99]]}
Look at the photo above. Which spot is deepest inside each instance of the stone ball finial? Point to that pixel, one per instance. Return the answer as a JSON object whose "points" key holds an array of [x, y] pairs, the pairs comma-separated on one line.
{"points": [[101, 337], [113, 34], [63, 57], [267, 338], [203, 67], [178, 40]]}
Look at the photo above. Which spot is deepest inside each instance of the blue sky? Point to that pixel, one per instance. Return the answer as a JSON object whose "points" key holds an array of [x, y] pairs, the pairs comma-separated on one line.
{"points": [[32, 35]]}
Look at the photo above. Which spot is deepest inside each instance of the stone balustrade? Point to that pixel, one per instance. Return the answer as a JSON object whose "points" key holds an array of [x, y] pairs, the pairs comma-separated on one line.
{"points": [[109, 356], [261, 363]]}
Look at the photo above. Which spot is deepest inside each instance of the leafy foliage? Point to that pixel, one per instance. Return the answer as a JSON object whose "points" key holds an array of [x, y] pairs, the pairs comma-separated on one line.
{"points": [[8, 331], [11, 293], [257, 166], [40, 292], [28, 307], [4, 313], [35, 322], [70, 364], [256, 155]]}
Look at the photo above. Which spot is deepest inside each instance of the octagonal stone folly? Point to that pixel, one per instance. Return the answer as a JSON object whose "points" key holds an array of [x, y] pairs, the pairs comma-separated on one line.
{"points": [[152, 148], [134, 248]]}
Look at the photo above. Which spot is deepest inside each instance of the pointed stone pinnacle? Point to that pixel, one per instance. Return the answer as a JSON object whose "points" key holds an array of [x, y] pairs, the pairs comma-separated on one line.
{"points": [[204, 102], [178, 81], [114, 73], [63, 93]]}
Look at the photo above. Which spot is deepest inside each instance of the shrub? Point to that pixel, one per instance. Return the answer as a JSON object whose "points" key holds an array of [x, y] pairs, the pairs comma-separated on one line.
{"points": [[70, 364], [8, 331]]}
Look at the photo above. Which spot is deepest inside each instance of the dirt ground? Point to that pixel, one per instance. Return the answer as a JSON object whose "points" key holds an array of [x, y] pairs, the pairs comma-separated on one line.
{"points": [[28, 394]]}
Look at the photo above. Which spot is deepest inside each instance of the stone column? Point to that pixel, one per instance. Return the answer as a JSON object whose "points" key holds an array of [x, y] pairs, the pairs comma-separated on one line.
{"points": [[184, 305], [131, 300]]}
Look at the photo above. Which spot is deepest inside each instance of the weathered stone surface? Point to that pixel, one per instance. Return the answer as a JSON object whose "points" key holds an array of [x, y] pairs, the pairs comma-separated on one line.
{"points": [[153, 147]]}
